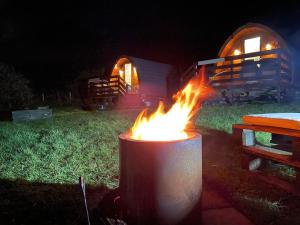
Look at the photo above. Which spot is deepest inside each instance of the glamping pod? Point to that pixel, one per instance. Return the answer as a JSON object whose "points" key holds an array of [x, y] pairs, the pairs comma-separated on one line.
{"points": [[256, 64], [131, 82]]}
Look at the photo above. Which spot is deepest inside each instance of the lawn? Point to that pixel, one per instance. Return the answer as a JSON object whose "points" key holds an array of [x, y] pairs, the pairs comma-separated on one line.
{"points": [[59, 150], [40, 163]]}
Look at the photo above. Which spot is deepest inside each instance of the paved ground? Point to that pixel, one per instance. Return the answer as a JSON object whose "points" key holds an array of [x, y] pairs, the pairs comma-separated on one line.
{"points": [[217, 211]]}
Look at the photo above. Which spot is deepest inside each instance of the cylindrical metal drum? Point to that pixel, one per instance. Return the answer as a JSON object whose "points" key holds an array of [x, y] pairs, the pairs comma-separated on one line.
{"points": [[160, 181]]}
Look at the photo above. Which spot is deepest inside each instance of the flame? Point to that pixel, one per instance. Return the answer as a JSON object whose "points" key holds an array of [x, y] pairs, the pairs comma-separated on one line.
{"points": [[171, 125]]}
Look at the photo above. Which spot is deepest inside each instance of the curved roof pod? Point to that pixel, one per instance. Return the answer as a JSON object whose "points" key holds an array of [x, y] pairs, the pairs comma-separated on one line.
{"points": [[252, 30], [150, 77], [256, 40]]}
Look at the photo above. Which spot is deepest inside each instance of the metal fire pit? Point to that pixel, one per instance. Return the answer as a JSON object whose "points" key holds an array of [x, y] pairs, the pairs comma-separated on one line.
{"points": [[160, 181]]}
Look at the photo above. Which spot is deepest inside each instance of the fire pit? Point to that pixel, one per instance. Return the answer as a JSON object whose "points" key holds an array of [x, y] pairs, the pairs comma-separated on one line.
{"points": [[161, 162], [160, 181]]}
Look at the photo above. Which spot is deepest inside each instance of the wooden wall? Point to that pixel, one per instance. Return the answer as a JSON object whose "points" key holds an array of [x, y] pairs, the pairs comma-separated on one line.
{"points": [[236, 40]]}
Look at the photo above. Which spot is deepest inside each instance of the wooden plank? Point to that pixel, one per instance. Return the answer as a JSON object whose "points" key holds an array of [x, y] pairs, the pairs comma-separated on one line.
{"points": [[242, 72], [107, 93], [269, 129], [296, 148], [263, 83], [297, 181], [274, 150], [254, 150], [105, 96], [250, 55], [263, 62], [106, 86]]}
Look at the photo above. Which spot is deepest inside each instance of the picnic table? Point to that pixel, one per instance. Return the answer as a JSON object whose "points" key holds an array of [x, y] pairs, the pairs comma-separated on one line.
{"points": [[285, 130]]}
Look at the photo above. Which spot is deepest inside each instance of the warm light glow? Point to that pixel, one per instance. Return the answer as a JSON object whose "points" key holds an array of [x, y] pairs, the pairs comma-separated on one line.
{"points": [[237, 52], [121, 72], [128, 73], [268, 46], [252, 45], [171, 125]]}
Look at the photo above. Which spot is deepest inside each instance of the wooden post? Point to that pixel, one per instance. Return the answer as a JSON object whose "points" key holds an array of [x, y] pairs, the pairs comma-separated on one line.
{"points": [[237, 135], [296, 148], [248, 137], [278, 80], [231, 69], [296, 156], [43, 97], [245, 137]]}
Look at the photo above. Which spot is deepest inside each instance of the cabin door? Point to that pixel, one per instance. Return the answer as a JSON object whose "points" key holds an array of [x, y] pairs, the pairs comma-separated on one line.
{"points": [[128, 75]]}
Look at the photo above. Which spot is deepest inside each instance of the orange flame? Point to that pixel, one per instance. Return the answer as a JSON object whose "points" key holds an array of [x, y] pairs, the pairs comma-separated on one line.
{"points": [[171, 125]]}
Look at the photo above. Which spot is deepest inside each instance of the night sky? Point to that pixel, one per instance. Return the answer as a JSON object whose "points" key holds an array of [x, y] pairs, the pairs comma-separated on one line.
{"points": [[50, 43]]}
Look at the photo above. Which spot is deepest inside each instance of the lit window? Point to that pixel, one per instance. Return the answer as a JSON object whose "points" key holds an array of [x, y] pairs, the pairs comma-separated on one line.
{"points": [[252, 45], [121, 72], [128, 73]]}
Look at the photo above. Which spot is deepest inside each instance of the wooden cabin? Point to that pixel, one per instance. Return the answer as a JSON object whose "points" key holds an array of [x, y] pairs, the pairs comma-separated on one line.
{"points": [[131, 82], [257, 64], [254, 64]]}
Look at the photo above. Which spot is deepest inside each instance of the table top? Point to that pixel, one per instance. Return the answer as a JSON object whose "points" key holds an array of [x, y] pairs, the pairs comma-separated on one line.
{"points": [[281, 120]]}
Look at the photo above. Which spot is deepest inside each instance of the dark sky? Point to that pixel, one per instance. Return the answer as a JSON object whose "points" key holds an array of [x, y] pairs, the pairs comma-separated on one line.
{"points": [[51, 42]]}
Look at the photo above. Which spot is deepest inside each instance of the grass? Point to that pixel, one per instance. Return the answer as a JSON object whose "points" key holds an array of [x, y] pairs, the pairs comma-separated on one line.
{"points": [[46, 157], [59, 150], [222, 117]]}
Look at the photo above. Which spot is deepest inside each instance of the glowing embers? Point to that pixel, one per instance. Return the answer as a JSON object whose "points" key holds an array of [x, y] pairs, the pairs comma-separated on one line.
{"points": [[171, 124]]}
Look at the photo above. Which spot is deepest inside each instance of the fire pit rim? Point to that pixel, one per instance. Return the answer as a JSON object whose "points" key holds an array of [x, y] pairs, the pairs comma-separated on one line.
{"points": [[191, 135]]}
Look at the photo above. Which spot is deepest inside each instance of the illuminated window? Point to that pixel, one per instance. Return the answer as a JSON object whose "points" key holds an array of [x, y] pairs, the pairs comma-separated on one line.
{"points": [[128, 73], [121, 72], [252, 45]]}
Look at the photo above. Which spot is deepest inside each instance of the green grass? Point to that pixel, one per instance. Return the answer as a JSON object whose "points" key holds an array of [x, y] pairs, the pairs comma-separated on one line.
{"points": [[78, 143], [59, 150], [222, 117]]}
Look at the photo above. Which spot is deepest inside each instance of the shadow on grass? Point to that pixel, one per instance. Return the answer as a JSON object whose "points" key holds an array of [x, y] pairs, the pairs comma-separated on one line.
{"points": [[260, 201], [25, 203], [220, 153]]}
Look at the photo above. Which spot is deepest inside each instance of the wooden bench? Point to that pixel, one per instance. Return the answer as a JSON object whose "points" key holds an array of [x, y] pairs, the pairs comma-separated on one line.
{"points": [[255, 154]]}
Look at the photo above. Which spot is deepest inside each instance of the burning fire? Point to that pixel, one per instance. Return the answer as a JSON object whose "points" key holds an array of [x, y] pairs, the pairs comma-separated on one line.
{"points": [[171, 125]]}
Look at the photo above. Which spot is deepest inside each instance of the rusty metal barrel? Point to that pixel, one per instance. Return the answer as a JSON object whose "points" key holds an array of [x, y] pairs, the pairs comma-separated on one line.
{"points": [[160, 181]]}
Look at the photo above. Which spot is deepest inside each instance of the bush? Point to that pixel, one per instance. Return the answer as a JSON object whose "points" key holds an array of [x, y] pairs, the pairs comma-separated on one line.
{"points": [[15, 92]]}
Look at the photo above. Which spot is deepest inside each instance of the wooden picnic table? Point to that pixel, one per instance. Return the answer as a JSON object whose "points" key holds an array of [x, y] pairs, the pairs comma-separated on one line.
{"points": [[285, 130]]}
